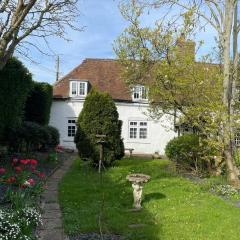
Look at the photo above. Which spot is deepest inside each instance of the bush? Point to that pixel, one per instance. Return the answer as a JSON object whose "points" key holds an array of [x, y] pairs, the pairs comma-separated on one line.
{"points": [[31, 136], [184, 150], [54, 136], [39, 103], [15, 85], [99, 116]]}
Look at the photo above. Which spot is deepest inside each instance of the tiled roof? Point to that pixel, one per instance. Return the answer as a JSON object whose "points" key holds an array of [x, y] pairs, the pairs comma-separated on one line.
{"points": [[102, 74]]}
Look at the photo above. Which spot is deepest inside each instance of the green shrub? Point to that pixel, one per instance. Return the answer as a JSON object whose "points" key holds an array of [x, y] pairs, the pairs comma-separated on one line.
{"points": [[120, 147], [31, 136], [39, 103], [54, 136], [184, 150], [99, 116], [15, 85]]}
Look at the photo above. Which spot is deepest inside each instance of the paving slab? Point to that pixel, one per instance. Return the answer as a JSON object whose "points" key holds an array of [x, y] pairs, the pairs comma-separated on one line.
{"points": [[53, 235]]}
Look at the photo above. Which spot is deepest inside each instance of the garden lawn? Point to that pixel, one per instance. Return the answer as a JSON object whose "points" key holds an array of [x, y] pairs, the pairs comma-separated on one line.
{"points": [[173, 207]]}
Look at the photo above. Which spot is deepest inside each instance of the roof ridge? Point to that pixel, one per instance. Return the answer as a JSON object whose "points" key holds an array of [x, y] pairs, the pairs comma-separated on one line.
{"points": [[100, 59]]}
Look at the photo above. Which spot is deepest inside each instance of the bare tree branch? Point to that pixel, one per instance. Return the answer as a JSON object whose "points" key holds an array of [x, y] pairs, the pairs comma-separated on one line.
{"points": [[39, 18]]}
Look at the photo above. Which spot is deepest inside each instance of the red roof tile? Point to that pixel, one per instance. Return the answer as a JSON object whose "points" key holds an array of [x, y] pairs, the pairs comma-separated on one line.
{"points": [[103, 74]]}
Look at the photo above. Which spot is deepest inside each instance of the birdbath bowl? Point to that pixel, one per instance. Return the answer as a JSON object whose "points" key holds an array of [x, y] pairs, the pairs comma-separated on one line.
{"points": [[137, 181]]}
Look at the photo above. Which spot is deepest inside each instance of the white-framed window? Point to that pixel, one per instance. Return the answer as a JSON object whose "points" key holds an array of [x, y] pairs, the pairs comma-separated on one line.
{"points": [[78, 88], [139, 93], [237, 139], [71, 127], [132, 129], [138, 129], [74, 88]]}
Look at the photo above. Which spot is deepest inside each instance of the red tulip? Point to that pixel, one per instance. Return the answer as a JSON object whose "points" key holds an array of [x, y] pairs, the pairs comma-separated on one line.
{"points": [[25, 161], [31, 181], [15, 160], [11, 179], [33, 162], [2, 170], [41, 175], [18, 169]]}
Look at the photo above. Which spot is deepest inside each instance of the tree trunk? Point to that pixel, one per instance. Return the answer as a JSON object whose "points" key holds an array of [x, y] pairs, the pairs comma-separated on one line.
{"points": [[228, 94]]}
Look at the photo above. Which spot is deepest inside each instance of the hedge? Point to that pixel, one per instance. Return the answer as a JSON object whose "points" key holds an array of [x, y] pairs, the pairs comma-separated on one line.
{"points": [[31, 136], [15, 86], [39, 103]]}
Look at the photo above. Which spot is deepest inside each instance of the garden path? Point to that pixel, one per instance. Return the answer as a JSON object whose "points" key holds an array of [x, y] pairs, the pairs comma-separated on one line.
{"points": [[52, 228]]}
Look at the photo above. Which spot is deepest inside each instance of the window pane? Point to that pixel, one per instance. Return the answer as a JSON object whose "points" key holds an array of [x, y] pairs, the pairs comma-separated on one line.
{"points": [[74, 88], [71, 131], [133, 123], [237, 139], [143, 133], [133, 132], [71, 127], [82, 88], [136, 92], [143, 123]]}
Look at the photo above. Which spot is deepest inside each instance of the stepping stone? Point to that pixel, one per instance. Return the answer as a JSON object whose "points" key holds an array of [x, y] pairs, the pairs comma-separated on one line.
{"points": [[134, 210], [139, 225], [51, 223], [50, 196], [52, 214], [51, 235], [237, 204], [58, 174], [51, 206]]}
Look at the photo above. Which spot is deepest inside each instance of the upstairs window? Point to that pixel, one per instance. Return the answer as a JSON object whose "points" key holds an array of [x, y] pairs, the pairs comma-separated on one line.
{"points": [[237, 139], [78, 88], [139, 93], [138, 130]]}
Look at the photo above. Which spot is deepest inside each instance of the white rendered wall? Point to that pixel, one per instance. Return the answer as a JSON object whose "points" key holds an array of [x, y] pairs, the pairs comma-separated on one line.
{"points": [[158, 132]]}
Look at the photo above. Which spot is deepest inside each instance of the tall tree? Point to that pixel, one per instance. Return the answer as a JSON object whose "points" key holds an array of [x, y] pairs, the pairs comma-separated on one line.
{"points": [[20, 19], [15, 86], [223, 17]]}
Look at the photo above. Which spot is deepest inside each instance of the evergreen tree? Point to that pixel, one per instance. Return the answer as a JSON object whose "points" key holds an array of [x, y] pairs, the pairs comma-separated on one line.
{"points": [[99, 116]]}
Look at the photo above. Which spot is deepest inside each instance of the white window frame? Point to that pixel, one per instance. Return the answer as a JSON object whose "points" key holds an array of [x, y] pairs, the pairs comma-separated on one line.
{"points": [[79, 88], [138, 125], [71, 88], [237, 139], [71, 124], [141, 91]]}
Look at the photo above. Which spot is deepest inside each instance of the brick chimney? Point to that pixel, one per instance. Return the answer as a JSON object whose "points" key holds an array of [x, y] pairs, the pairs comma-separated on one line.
{"points": [[186, 47]]}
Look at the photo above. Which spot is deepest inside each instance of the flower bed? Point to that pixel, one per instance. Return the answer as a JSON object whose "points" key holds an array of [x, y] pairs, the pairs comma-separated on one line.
{"points": [[22, 180], [22, 183]]}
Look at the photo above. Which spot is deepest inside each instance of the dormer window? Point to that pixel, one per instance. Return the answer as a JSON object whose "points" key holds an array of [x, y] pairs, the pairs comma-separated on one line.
{"points": [[78, 88], [139, 93]]}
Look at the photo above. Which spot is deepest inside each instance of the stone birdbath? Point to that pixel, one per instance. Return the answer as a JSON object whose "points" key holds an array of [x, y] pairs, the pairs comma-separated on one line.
{"points": [[137, 181]]}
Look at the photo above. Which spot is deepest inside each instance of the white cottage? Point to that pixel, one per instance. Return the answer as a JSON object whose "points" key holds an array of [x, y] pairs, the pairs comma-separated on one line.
{"points": [[139, 131]]}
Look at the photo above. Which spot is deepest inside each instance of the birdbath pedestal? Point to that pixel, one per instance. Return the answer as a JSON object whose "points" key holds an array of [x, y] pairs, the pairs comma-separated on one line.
{"points": [[137, 181]]}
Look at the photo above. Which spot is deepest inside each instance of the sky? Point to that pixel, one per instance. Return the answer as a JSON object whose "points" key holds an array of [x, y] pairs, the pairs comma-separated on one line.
{"points": [[102, 24]]}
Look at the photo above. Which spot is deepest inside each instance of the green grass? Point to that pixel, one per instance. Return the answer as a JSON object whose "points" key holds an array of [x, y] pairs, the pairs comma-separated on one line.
{"points": [[173, 207]]}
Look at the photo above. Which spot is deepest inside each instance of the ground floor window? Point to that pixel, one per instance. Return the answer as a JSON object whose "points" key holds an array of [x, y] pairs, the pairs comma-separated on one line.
{"points": [[72, 128], [138, 130]]}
